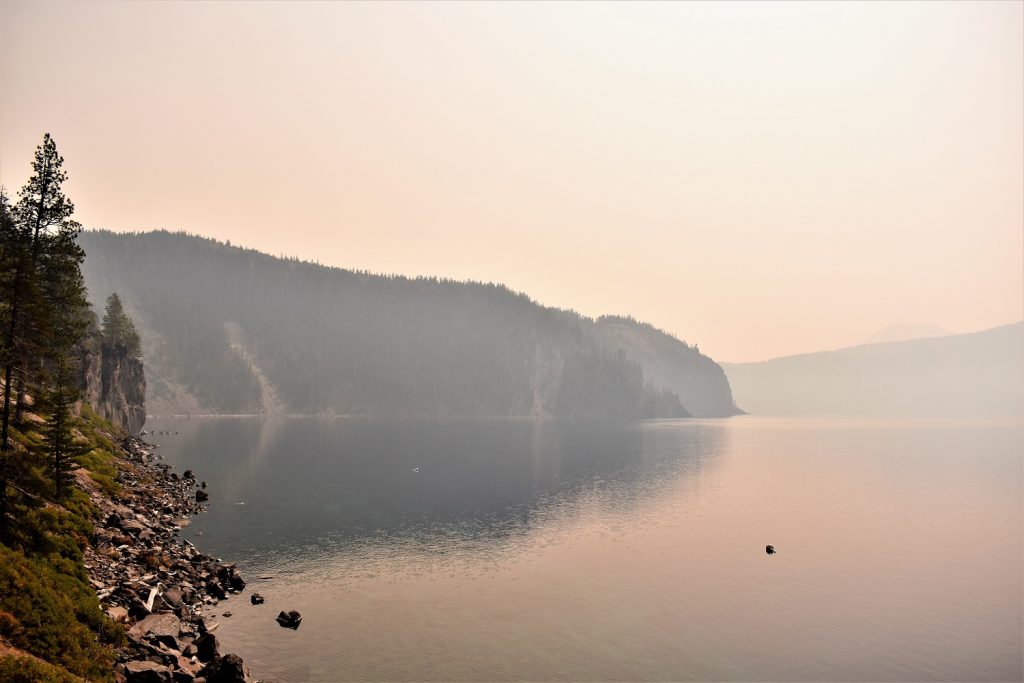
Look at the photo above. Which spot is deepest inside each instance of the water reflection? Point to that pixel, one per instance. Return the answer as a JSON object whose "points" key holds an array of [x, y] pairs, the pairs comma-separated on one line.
{"points": [[291, 487], [566, 551]]}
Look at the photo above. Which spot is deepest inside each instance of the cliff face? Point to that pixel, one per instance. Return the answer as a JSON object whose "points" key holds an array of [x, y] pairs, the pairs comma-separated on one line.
{"points": [[672, 365], [114, 384]]}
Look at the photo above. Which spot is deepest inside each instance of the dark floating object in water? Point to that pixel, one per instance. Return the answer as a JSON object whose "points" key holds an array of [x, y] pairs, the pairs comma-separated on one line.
{"points": [[770, 549], [289, 619], [256, 599]]}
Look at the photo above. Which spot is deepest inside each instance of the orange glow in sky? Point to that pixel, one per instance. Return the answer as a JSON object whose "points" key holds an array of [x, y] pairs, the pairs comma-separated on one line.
{"points": [[759, 178]]}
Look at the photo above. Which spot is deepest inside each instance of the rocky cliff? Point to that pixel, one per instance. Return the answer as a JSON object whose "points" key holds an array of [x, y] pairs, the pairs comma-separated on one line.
{"points": [[671, 365], [114, 384]]}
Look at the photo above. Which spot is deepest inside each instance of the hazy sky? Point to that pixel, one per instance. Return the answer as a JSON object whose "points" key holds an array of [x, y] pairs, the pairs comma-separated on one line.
{"points": [[762, 179]]}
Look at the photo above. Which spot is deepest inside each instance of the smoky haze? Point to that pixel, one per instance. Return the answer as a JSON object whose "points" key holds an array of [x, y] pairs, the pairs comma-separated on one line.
{"points": [[764, 178], [967, 375], [228, 330]]}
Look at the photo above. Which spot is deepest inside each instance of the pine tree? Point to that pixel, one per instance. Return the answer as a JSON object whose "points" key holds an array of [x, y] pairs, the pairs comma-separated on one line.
{"points": [[60, 397], [64, 325], [45, 308], [118, 328], [41, 208]]}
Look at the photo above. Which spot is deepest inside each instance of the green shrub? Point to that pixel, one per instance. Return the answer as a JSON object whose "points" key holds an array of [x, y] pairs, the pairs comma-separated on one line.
{"points": [[14, 669], [54, 614], [48, 608]]}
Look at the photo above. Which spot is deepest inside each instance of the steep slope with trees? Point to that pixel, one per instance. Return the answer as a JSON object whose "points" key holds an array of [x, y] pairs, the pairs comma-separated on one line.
{"points": [[333, 340], [45, 315], [51, 625]]}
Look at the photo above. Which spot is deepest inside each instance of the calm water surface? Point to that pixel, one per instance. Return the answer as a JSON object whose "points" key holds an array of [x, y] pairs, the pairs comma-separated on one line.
{"points": [[553, 551]]}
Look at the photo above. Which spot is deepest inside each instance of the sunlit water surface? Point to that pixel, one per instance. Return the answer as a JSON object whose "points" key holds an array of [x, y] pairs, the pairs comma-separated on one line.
{"points": [[553, 551]]}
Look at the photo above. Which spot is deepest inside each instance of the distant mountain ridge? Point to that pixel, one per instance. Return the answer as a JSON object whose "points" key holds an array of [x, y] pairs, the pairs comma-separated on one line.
{"points": [[232, 330], [907, 331], [965, 375]]}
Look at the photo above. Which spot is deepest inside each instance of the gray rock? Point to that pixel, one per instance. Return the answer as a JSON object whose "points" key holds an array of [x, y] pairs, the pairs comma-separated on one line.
{"points": [[146, 672], [156, 625], [117, 613], [172, 597], [133, 526]]}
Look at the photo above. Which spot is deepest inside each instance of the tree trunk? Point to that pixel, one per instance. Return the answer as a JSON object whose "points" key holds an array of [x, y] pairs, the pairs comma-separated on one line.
{"points": [[19, 407]]}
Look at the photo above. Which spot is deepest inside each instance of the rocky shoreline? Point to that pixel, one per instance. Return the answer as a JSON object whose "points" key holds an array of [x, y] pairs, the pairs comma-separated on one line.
{"points": [[159, 586]]}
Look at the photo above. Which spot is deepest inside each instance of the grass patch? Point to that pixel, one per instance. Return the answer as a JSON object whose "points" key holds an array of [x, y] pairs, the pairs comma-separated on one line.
{"points": [[52, 612], [48, 608], [15, 669]]}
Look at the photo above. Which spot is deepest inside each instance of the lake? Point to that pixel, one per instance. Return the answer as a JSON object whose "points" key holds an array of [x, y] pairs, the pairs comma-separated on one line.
{"points": [[492, 550]]}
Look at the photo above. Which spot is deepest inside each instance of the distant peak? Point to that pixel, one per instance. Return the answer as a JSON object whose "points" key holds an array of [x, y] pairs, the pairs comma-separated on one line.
{"points": [[904, 331]]}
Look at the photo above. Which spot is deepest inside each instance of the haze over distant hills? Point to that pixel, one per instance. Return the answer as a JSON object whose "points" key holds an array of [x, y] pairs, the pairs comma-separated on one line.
{"points": [[905, 331], [230, 330], [964, 375]]}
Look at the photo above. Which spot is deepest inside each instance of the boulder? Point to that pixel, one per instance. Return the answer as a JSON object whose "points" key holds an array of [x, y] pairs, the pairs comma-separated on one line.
{"points": [[156, 625], [132, 526], [146, 672], [227, 669], [235, 579], [216, 590], [289, 619], [202, 496], [206, 647], [117, 613], [172, 597], [256, 599]]}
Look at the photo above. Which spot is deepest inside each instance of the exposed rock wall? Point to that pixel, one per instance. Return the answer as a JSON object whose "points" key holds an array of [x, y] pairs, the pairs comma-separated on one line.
{"points": [[670, 364], [114, 384]]}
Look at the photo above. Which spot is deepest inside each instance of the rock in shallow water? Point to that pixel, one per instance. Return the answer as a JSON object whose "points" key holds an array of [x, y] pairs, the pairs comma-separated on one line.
{"points": [[289, 619], [206, 647], [227, 669]]}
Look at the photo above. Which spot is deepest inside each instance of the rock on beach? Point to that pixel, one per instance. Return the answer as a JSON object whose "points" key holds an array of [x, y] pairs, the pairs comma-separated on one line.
{"points": [[161, 586]]}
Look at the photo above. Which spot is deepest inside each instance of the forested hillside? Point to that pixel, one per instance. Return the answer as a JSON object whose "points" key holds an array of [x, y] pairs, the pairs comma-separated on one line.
{"points": [[671, 365], [230, 330]]}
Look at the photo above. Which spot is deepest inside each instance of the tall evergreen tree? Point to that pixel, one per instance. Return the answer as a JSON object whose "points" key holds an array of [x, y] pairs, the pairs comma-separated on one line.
{"points": [[42, 208], [118, 328], [44, 297], [64, 325]]}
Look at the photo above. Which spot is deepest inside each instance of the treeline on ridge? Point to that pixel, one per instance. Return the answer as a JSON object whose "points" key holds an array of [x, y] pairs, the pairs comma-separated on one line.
{"points": [[334, 340]]}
